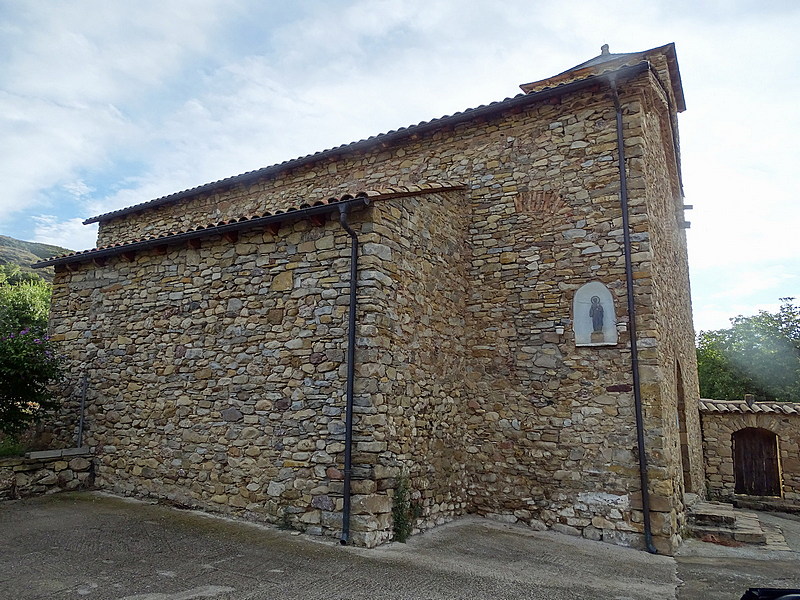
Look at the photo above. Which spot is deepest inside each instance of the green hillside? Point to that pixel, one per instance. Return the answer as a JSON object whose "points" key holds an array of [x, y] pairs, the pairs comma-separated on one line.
{"points": [[24, 254]]}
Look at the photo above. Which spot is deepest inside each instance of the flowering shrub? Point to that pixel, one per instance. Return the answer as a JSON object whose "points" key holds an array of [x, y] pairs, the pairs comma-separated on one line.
{"points": [[28, 365], [24, 304]]}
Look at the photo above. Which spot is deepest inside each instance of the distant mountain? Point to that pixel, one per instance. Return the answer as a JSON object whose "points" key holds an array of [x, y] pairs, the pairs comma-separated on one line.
{"points": [[24, 254]]}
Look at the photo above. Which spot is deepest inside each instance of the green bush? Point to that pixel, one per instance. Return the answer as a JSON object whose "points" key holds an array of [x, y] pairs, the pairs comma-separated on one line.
{"points": [[24, 304], [29, 365], [405, 511], [9, 446]]}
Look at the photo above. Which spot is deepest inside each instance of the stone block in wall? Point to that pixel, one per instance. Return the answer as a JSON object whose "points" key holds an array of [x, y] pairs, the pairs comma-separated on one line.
{"points": [[371, 504], [370, 522], [624, 538], [370, 539], [79, 464], [331, 520], [657, 503]]}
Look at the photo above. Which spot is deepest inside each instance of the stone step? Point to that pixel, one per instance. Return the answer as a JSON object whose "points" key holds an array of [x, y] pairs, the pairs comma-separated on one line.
{"points": [[713, 514], [767, 504], [724, 522], [731, 534]]}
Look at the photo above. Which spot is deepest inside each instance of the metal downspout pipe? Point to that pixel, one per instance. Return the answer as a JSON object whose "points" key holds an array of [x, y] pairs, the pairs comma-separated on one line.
{"points": [[637, 394], [351, 349]]}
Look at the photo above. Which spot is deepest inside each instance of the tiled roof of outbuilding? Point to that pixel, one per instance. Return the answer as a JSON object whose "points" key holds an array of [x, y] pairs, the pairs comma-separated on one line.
{"points": [[740, 406], [300, 211]]}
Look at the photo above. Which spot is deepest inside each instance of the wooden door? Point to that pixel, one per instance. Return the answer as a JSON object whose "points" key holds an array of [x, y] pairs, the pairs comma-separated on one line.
{"points": [[755, 462]]}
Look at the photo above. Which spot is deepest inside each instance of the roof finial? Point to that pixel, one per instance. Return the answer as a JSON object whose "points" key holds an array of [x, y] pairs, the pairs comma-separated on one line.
{"points": [[604, 49]]}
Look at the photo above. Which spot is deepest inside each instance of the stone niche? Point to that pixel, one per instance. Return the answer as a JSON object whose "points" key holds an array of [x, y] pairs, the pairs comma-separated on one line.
{"points": [[594, 319]]}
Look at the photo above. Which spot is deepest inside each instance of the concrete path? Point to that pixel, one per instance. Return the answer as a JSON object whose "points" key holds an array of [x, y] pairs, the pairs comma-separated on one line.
{"points": [[99, 547], [87, 545]]}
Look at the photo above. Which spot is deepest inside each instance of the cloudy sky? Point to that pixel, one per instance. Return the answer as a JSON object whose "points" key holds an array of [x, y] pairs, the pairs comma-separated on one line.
{"points": [[106, 104]]}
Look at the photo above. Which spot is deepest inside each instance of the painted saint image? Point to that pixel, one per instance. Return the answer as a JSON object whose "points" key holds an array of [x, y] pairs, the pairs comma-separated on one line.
{"points": [[596, 314]]}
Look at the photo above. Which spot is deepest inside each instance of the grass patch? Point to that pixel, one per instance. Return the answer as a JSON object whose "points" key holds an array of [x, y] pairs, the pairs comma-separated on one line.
{"points": [[11, 447]]}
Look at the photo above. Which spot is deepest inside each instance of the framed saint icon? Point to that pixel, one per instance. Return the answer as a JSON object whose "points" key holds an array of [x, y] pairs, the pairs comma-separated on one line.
{"points": [[593, 316]]}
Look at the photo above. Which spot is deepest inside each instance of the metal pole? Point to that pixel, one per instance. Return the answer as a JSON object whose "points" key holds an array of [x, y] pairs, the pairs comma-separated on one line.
{"points": [[84, 386], [351, 350], [637, 393]]}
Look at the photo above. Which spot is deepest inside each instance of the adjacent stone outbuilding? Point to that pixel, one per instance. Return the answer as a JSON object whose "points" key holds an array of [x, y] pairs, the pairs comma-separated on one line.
{"points": [[752, 451], [213, 324]]}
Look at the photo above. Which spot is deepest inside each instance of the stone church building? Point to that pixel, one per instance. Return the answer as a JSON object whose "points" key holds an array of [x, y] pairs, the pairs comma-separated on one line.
{"points": [[481, 355]]}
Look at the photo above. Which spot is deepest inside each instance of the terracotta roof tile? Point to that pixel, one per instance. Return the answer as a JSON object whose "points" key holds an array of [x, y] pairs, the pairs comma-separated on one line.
{"points": [[739, 406], [381, 194]]}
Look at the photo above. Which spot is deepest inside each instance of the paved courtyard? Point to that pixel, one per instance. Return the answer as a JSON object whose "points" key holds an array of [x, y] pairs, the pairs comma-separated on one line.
{"points": [[88, 545]]}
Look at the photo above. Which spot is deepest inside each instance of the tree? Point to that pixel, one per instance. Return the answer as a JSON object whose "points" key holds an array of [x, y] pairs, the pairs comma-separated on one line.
{"points": [[757, 355], [29, 364], [14, 275], [28, 367], [24, 301]]}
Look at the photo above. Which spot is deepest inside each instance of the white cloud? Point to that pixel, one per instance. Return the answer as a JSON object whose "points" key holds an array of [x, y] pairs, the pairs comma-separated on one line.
{"points": [[745, 284], [71, 68], [708, 317], [98, 51], [47, 143], [72, 233], [108, 105]]}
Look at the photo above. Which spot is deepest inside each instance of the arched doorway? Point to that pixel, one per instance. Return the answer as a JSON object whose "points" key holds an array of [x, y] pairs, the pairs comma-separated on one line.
{"points": [[755, 462]]}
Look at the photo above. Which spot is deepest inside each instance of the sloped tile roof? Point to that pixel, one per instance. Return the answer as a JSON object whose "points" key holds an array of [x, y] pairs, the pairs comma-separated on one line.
{"points": [[300, 211], [384, 138], [606, 63], [739, 406]]}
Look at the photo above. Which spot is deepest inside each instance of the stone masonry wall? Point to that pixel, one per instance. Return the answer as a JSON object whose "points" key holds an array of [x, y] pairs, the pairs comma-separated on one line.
{"points": [[45, 472], [216, 375], [665, 319], [718, 427], [543, 431], [422, 327], [550, 424]]}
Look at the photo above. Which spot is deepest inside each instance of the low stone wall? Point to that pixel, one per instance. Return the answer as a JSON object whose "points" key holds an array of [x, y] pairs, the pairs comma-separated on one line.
{"points": [[45, 472], [721, 419]]}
